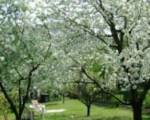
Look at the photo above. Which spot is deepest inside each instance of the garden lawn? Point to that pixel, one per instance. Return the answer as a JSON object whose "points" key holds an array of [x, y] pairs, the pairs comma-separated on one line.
{"points": [[75, 110]]}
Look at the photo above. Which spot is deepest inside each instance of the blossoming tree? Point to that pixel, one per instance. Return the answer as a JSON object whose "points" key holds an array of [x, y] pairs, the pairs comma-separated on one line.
{"points": [[122, 27], [25, 45]]}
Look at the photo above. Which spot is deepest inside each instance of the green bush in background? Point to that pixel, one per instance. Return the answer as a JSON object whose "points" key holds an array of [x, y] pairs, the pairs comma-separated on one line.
{"points": [[4, 107], [147, 101]]}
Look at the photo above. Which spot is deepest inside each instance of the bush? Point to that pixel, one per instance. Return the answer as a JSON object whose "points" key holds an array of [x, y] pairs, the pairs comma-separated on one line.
{"points": [[147, 101], [4, 106], [27, 115]]}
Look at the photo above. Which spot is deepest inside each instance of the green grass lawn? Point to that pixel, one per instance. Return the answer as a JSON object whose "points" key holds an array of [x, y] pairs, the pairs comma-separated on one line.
{"points": [[75, 110]]}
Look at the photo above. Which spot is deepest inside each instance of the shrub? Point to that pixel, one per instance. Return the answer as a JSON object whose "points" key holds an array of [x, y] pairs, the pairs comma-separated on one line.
{"points": [[147, 101], [4, 107]]}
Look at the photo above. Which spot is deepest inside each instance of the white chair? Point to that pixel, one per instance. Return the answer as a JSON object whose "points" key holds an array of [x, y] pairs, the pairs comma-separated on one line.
{"points": [[37, 107]]}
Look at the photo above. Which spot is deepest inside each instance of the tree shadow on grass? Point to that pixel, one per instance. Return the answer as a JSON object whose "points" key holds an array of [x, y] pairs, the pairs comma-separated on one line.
{"points": [[113, 118], [66, 117], [102, 118]]}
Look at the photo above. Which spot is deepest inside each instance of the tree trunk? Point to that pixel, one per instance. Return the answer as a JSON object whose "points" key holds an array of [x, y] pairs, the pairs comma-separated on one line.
{"points": [[63, 98], [18, 118], [137, 110], [88, 110]]}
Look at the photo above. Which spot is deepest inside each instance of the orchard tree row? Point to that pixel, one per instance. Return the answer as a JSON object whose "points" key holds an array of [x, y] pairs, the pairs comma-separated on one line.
{"points": [[98, 42]]}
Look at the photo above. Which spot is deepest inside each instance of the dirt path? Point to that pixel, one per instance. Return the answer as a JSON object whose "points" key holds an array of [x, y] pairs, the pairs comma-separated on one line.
{"points": [[55, 111]]}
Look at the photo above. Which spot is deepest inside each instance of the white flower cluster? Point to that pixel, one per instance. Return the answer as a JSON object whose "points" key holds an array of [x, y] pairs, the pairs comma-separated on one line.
{"points": [[10, 13], [134, 68]]}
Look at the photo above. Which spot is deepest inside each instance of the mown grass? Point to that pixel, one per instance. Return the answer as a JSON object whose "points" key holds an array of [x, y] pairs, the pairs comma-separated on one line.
{"points": [[75, 110]]}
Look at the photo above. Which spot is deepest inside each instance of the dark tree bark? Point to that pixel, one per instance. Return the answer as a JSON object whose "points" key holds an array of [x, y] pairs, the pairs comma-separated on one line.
{"points": [[137, 110], [18, 110], [88, 110], [63, 98], [18, 118], [10, 101]]}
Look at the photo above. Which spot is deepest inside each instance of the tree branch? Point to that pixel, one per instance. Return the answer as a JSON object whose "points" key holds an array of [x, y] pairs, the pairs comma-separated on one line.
{"points": [[84, 28], [99, 86], [109, 19], [95, 81], [29, 79], [10, 101]]}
